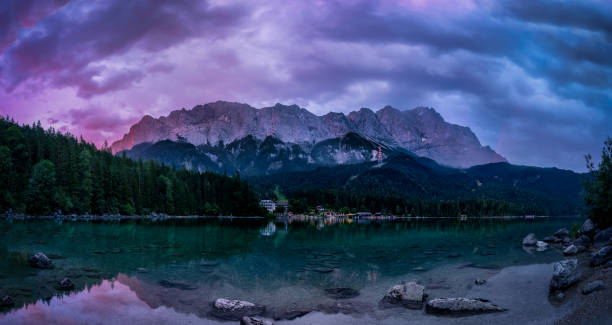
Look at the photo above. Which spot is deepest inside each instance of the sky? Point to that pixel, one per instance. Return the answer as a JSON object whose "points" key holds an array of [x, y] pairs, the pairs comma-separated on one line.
{"points": [[531, 78]]}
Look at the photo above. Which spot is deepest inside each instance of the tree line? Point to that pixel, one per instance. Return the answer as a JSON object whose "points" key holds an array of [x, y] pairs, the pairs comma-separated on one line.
{"points": [[44, 171]]}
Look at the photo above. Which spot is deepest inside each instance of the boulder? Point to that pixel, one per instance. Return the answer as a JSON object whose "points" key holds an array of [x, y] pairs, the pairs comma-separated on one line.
{"points": [[583, 241], [247, 320], [565, 274], [530, 240], [7, 301], [603, 238], [541, 246], [572, 250], [588, 229], [551, 239], [562, 233], [235, 309], [41, 261], [601, 256], [461, 306], [410, 294], [66, 284], [341, 293], [592, 287]]}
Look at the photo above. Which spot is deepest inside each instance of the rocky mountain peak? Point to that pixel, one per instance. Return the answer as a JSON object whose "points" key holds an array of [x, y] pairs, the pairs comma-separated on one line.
{"points": [[421, 130]]}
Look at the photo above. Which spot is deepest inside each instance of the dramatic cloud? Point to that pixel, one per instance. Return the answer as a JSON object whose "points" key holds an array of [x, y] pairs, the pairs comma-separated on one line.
{"points": [[533, 79]]}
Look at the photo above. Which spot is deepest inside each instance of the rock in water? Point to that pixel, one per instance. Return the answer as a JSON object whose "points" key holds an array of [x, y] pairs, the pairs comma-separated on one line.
{"points": [[41, 261], [592, 287], [235, 309], [410, 295], [588, 228], [480, 281], [530, 240], [461, 306], [341, 293], [571, 250], [246, 320], [7, 301], [562, 233], [541, 246], [603, 238], [66, 284], [601, 256], [583, 241], [565, 274]]}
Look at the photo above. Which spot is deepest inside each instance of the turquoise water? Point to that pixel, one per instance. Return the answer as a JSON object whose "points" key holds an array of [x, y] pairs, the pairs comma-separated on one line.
{"points": [[170, 273]]}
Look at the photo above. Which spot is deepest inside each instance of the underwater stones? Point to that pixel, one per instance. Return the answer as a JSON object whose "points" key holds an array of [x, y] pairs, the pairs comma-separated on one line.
{"points": [[530, 240], [247, 320], [592, 287], [601, 256], [235, 309], [66, 284], [40, 261], [565, 274], [461, 306], [341, 293], [176, 285], [343, 307], [6, 301], [410, 295], [288, 312], [480, 281]]}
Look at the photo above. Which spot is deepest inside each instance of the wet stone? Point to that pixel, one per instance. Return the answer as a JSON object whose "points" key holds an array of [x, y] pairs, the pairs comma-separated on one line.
{"points": [[235, 309], [7, 301], [247, 320], [461, 306], [41, 261], [65, 284], [592, 287]]}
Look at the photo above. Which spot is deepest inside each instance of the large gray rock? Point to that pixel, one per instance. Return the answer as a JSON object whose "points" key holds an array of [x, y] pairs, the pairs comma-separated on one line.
{"points": [[41, 261], [571, 250], [460, 306], [603, 238], [235, 309], [562, 233], [592, 287], [409, 294], [565, 274], [587, 229], [530, 240], [601, 256], [583, 241], [247, 320]]}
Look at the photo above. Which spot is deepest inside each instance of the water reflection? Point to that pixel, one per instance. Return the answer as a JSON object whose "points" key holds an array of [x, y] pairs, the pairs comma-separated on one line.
{"points": [[280, 265]]}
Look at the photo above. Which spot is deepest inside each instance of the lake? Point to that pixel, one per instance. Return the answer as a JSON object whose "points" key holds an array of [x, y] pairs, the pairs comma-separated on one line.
{"points": [[170, 273]]}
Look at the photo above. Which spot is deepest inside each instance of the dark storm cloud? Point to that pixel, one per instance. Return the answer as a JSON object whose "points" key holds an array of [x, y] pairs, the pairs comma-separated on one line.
{"points": [[60, 49], [533, 79]]}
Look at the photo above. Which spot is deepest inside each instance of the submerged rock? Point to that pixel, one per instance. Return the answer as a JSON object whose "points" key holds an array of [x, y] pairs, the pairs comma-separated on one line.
{"points": [[344, 307], [588, 228], [235, 309], [461, 306], [480, 281], [7, 301], [603, 238], [601, 256], [409, 294], [541, 246], [41, 261], [565, 274], [530, 240], [247, 320], [592, 287], [559, 296], [66, 284], [562, 233], [341, 293], [552, 239], [289, 312]]}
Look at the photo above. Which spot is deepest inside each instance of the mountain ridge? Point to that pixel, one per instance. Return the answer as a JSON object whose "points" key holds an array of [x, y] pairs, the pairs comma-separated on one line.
{"points": [[421, 130]]}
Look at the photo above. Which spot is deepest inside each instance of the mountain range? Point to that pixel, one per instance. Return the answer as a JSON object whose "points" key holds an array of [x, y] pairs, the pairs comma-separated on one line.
{"points": [[226, 136]]}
